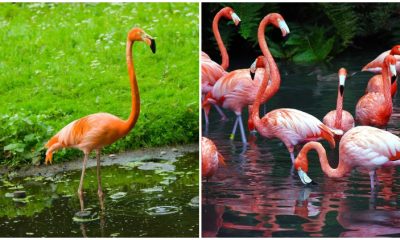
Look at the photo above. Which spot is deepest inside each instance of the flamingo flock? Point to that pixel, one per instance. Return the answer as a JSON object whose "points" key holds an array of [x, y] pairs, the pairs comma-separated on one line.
{"points": [[366, 146]]}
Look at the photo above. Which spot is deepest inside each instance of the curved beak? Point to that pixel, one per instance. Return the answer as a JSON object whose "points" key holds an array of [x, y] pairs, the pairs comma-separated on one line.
{"points": [[393, 70], [149, 40], [253, 67], [305, 179], [284, 27], [235, 18]]}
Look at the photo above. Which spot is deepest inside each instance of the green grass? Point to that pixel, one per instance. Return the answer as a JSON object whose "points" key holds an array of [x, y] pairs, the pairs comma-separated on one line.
{"points": [[64, 61]]}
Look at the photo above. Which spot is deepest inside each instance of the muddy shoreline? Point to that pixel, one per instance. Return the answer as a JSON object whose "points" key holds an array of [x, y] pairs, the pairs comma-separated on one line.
{"points": [[166, 153]]}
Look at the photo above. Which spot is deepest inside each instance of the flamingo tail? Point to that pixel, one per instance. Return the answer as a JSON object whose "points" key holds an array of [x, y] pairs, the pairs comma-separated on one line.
{"points": [[328, 135]]}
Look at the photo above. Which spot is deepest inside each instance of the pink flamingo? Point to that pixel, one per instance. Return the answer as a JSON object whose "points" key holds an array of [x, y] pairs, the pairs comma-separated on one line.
{"points": [[210, 158], [339, 118], [375, 65], [98, 130], [237, 89], [375, 108], [291, 126], [210, 70], [375, 84], [363, 146]]}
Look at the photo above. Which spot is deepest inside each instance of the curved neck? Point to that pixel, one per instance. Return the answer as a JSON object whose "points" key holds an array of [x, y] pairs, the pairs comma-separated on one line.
{"points": [[130, 123], [271, 71], [274, 75], [338, 172], [386, 83], [339, 109], [221, 46]]}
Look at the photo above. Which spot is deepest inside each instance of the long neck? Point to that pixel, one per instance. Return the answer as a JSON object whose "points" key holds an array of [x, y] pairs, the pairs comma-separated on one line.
{"points": [[130, 123], [221, 46], [386, 83], [275, 76], [268, 57], [339, 109], [338, 172]]}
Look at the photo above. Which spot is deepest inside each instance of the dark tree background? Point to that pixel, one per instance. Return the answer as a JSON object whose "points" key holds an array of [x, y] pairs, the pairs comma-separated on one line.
{"points": [[319, 31]]}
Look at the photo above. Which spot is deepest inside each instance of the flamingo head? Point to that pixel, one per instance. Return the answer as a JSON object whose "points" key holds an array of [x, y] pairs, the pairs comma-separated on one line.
{"points": [[301, 166], [395, 50], [278, 21], [258, 63], [342, 79], [137, 34], [231, 15], [390, 61]]}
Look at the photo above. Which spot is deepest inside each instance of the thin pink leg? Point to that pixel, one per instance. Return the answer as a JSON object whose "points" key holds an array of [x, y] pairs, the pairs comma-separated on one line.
{"points": [[372, 178], [99, 190], [80, 189]]}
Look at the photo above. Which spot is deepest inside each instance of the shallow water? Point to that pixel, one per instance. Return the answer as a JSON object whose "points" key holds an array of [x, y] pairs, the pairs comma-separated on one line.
{"points": [[150, 198], [255, 194]]}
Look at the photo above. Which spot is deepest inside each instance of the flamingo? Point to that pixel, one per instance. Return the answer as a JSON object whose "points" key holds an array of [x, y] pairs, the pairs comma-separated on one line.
{"points": [[210, 70], [291, 126], [361, 147], [339, 118], [375, 108], [237, 89], [96, 131], [210, 158], [375, 83]]}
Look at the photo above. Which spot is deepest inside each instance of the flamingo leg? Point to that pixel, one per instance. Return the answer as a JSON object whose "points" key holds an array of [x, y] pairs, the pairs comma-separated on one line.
{"points": [[232, 136], [99, 190], [80, 191], [372, 178], [221, 113], [205, 117], [244, 140], [292, 157]]}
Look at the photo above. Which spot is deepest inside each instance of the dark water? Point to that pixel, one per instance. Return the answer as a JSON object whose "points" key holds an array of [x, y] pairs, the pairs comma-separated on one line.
{"points": [[255, 195], [155, 202]]}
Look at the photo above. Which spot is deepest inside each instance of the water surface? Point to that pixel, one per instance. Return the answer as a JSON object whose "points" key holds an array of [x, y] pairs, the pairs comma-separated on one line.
{"points": [[255, 194], [149, 198]]}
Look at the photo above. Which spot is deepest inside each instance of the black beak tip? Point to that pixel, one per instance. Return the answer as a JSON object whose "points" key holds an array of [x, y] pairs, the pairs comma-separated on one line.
{"points": [[153, 45], [393, 79], [286, 37], [252, 75], [312, 183], [341, 90]]}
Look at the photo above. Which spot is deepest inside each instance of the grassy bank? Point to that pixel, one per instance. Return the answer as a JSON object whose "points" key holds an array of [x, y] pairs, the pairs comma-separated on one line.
{"points": [[60, 62]]}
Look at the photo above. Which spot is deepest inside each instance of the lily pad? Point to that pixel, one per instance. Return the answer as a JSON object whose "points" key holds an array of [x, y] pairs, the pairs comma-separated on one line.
{"points": [[114, 234], [154, 189], [194, 202], [85, 216], [118, 195], [162, 210], [9, 195]]}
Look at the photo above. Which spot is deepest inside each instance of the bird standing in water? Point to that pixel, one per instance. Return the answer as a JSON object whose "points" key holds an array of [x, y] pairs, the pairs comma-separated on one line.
{"points": [[98, 130]]}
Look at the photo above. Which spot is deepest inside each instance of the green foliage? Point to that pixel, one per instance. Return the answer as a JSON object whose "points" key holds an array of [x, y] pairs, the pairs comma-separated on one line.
{"points": [[344, 19], [312, 47], [65, 61], [318, 30], [22, 137]]}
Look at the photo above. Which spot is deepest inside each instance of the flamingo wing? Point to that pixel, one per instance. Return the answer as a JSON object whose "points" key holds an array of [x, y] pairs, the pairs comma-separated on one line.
{"points": [[294, 126], [369, 147], [210, 72], [91, 132]]}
